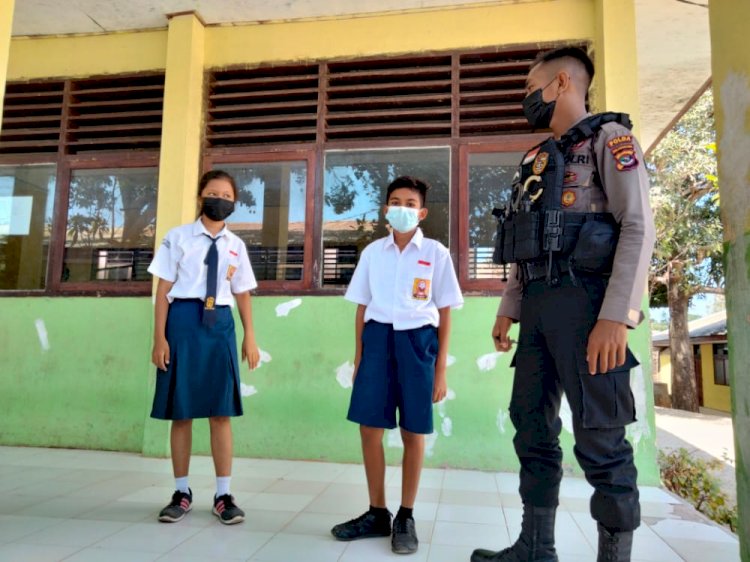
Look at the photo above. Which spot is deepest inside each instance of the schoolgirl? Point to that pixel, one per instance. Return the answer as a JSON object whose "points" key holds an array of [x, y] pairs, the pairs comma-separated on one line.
{"points": [[202, 269]]}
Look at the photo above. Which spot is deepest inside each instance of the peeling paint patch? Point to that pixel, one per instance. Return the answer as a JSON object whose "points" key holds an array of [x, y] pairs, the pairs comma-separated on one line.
{"points": [[447, 426], [449, 395], [451, 360], [265, 357], [640, 429], [488, 361], [429, 443], [566, 415], [344, 374], [247, 389], [285, 308], [502, 419], [41, 331]]}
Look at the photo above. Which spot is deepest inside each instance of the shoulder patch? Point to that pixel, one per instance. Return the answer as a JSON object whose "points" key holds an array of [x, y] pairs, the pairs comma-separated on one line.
{"points": [[623, 151], [540, 163]]}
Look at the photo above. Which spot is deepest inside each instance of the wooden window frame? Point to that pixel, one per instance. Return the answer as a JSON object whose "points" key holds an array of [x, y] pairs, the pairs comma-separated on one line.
{"points": [[66, 163], [233, 156], [510, 143]]}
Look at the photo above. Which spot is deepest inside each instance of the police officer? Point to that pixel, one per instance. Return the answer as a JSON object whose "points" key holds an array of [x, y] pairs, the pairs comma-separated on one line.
{"points": [[579, 234]]}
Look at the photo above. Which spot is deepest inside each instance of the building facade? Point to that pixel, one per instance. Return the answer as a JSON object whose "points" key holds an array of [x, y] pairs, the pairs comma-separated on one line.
{"points": [[105, 135]]}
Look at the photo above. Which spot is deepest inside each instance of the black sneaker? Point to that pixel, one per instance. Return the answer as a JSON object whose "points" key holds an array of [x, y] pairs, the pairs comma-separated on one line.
{"points": [[227, 511], [404, 539], [177, 509], [365, 526]]}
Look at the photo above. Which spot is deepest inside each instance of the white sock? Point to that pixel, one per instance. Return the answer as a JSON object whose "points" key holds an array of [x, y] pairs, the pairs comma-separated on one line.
{"points": [[181, 484], [222, 485]]}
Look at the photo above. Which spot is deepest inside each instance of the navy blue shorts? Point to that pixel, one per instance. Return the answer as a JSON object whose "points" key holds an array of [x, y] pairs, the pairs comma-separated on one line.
{"points": [[396, 372]]}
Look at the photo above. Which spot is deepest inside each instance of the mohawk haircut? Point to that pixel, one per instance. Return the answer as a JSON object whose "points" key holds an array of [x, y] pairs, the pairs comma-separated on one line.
{"points": [[567, 52]]}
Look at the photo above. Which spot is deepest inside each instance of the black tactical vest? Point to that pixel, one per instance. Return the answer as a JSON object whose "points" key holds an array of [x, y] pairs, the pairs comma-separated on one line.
{"points": [[533, 228]]}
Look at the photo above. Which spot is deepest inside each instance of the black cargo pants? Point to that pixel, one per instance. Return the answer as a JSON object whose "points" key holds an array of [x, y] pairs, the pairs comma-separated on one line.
{"points": [[551, 359]]}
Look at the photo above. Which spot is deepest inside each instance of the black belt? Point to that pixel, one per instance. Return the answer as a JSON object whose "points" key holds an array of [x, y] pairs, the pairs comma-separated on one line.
{"points": [[532, 271]]}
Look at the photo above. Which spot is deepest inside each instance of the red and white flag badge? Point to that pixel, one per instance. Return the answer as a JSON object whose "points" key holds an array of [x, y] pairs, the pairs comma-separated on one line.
{"points": [[422, 262]]}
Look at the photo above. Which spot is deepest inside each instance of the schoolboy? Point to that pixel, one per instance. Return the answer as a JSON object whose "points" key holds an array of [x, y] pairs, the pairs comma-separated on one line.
{"points": [[404, 286]]}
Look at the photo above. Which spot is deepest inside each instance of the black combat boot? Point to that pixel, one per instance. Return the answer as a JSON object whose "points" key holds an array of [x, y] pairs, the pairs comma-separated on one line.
{"points": [[535, 544], [614, 547]]}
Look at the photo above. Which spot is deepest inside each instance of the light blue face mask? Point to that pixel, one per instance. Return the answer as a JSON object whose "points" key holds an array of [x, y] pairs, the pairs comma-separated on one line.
{"points": [[403, 219]]}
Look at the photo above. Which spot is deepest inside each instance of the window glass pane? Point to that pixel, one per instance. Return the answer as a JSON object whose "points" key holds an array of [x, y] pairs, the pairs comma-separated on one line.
{"points": [[270, 217], [26, 203], [490, 177], [355, 184], [111, 223]]}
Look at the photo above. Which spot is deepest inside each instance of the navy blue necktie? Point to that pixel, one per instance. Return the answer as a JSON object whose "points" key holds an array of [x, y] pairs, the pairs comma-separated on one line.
{"points": [[209, 306]]}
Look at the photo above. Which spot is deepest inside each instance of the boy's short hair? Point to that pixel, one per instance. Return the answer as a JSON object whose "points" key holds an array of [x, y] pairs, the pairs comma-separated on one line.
{"points": [[567, 52], [408, 182]]}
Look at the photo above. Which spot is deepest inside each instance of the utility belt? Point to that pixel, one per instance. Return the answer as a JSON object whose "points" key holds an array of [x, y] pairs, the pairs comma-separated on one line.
{"points": [[563, 242]]}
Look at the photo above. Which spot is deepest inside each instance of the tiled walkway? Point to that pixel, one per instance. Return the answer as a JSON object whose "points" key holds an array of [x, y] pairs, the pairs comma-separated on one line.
{"points": [[101, 507]]}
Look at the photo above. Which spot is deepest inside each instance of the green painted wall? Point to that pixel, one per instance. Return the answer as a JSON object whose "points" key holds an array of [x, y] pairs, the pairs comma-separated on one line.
{"points": [[92, 388]]}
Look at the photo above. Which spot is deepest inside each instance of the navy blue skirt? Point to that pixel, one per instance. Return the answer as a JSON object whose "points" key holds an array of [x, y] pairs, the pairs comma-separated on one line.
{"points": [[203, 376]]}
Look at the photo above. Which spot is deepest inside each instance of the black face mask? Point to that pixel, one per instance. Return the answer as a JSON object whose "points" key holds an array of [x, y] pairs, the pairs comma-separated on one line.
{"points": [[537, 111], [217, 209]]}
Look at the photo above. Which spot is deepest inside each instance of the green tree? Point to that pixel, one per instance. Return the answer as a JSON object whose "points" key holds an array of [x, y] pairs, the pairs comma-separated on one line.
{"points": [[687, 260]]}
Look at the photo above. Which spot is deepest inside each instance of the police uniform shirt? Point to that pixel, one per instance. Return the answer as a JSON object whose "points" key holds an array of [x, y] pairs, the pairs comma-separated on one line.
{"points": [[405, 288], [180, 260], [621, 189]]}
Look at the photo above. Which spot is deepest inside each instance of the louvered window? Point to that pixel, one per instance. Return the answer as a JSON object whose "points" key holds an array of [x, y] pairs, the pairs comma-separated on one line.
{"points": [[115, 114], [78, 183], [440, 96], [263, 105], [32, 116], [491, 89], [389, 98]]}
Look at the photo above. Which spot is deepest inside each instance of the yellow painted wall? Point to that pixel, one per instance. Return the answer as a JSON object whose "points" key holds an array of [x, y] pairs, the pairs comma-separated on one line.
{"points": [[715, 396], [457, 28], [665, 369]]}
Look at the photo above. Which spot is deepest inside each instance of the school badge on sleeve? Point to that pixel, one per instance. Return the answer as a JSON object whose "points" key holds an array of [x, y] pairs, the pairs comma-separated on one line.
{"points": [[623, 151], [230, 272], [420, 289]]}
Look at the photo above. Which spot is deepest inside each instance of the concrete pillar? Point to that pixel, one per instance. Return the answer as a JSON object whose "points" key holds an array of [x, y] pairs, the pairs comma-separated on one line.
{"points": [[730, 62], [616, 60], [179, 164]]}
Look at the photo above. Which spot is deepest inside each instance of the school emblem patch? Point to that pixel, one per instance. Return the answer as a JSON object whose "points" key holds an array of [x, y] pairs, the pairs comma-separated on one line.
{"points": [[540, 162], [568, 198], [210, 303], [420, 289], [230, 272], [623, 151]]}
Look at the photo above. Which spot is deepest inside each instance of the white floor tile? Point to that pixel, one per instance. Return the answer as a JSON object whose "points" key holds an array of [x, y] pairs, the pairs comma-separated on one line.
{"points": [[14, 528], [94, 554], [285, 547], [222, 541], [470, 534], [470, 480], [281, 502], [150, 537], [471, 514], [375, 550], [76, 532], [34, 552], [678, 529], [702, 550], [464, 497], [449, 553]]}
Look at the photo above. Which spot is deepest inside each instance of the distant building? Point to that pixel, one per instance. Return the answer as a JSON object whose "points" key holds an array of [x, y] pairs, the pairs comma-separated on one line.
{"points": [[708, 338]]}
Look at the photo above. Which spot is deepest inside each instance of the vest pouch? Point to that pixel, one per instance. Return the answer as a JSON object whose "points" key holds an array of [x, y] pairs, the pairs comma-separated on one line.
{"points": [[595, 249], [497, 254], [527, 236]]}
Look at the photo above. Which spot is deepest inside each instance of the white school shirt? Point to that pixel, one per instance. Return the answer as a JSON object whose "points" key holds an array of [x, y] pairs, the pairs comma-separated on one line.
{"points": [[406, 288], [180, 260]]}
